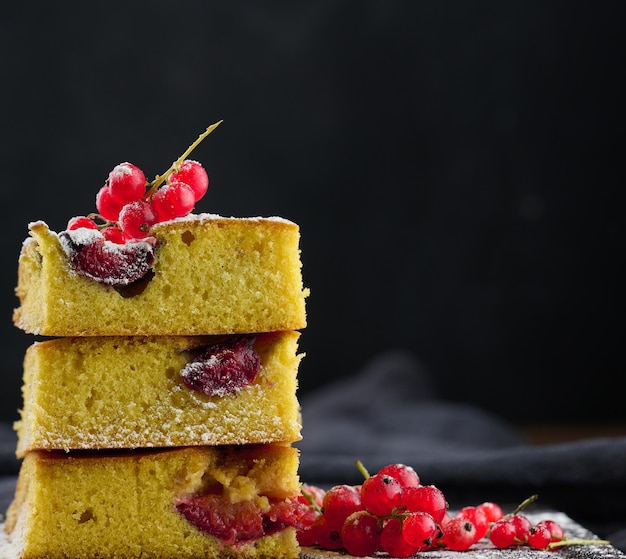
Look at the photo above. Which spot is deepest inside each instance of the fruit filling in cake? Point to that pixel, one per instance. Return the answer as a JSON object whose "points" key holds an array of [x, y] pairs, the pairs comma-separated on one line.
{"points": [[243, 521], [93, 256], [223, 368]]}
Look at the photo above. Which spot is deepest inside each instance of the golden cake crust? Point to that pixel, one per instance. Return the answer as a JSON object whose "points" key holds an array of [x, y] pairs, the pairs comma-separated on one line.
{"points": [[126, 392], [212, 275], [123, 505]]}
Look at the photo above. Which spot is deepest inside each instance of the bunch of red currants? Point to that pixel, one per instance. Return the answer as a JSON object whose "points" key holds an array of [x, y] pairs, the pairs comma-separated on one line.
{"points": [[130, 205], [393, 512]]}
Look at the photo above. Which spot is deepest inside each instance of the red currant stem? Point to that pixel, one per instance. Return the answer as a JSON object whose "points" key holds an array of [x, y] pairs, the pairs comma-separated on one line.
{"points": [[399, 512], [524, 504], [105, 222], [362, 469], [159, 179], [311, 499], [575, 541]]}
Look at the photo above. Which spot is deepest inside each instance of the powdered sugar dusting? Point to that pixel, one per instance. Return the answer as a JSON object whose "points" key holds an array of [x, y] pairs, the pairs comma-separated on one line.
{"points": [[83, 236], [172, 434], [37, 223], [28, 241], [206, 217], [7, 550]]}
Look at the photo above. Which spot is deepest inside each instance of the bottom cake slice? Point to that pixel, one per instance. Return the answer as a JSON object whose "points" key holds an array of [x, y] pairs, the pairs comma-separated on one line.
{"points": [[197, 502]]}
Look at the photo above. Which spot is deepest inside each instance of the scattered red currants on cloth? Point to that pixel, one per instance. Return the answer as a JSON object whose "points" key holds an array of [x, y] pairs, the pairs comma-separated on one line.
{"points": [[393, 513]]}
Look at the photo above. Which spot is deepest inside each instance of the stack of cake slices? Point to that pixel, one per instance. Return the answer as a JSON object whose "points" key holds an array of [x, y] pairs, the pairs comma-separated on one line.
{"points": [[159, 416]]}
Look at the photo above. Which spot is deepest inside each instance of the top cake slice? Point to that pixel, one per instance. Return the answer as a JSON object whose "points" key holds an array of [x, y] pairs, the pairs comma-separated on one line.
{"points": [[209, 275]]}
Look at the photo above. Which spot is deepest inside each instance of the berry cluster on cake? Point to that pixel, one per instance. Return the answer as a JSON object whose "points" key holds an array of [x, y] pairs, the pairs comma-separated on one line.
{"points": [[158, 420]]}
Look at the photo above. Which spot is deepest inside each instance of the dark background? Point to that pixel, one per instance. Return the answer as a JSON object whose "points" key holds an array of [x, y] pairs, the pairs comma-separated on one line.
{"points": [[455, 167]]}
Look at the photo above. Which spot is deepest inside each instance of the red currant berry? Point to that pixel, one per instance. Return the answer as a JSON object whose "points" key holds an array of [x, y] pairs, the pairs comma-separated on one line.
{"points": [[478, 518], [136, 219], [539, 537], [420, 530], [502, 534], [307, 536], [522, 527], [459, 534], [492, 511], [406, 475], [360, 534], [392, 541], [107, 207], [340, 502], [127, 183], [381, 494], [425, 498], [81, 221], [192, 173], [326, 538], [113, 234], [556, 532], [173, 200]]}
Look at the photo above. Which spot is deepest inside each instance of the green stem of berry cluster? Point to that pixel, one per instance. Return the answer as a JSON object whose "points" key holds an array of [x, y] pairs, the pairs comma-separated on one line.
{"points": [[362, 469], [160, 179], [95, 217], [311, 499], [525, 503], [576, 541]]}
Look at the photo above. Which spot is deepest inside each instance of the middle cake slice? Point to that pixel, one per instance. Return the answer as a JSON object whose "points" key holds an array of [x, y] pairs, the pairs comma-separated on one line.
{"points": [[165, 391]]}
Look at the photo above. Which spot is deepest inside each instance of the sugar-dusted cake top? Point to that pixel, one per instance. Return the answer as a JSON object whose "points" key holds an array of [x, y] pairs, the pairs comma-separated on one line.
{"points": [[88, 233], [91, 254], [203, 217]]}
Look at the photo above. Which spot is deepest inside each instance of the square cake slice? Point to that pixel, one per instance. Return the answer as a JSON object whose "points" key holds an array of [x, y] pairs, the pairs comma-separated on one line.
{"points": [[163, 391], [197, 275], [202, 502]]}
